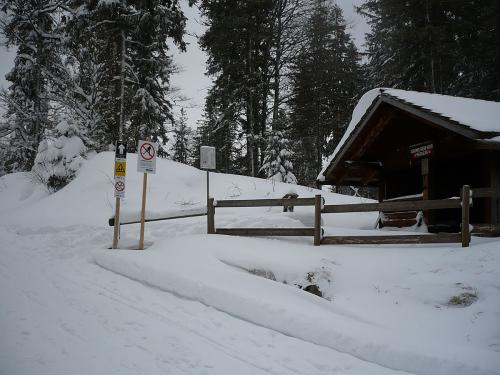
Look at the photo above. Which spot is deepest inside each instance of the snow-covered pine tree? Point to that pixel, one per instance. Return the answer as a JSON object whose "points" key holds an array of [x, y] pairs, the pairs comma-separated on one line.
{"points": [[60, 156], [129, 42], [277, 158], [32, 27], [182, 135], [154, 21]]}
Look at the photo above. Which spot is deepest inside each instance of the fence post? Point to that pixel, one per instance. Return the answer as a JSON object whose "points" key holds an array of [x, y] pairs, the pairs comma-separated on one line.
{"points": [[317, 220], [210, 216], [465, 216]]}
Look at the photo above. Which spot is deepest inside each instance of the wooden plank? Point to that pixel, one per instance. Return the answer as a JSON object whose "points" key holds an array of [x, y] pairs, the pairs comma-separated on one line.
{"points": [[266, 231], [396, 239], [210, 216], [111, 221], [465, 231], [266, 202], [485, 192], [317, 220], [488, 229], [394, 206]]}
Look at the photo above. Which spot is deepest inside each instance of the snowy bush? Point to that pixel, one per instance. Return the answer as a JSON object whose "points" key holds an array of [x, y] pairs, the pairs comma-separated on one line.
{"points": [[59, 159]]}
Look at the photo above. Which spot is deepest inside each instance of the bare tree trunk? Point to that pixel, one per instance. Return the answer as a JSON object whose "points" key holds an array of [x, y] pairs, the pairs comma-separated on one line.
{"points": [[250, 111], [122, 86]]}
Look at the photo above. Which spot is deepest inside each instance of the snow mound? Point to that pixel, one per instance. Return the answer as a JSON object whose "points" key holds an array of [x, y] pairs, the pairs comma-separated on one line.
{"points": [[211, 270]]}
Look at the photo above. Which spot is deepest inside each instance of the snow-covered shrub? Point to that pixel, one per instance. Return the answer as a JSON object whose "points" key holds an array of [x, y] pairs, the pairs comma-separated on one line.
{"points": [[59, 158]]}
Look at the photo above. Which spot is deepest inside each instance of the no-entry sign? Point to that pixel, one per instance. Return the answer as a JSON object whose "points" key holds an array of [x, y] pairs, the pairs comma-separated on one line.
{"points": [[146, 157]]}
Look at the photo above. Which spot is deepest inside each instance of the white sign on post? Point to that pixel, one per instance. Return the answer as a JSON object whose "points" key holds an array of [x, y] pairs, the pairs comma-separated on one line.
{"points": [[207, 157], [146, 157]]}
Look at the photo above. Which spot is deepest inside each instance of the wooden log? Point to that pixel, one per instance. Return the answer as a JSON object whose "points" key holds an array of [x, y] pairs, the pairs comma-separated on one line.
{"points": [[485, 192], [266, 202], [266, 231], [210, 216], [465, 216], [317, 220], [394, 206], [396, 239]]}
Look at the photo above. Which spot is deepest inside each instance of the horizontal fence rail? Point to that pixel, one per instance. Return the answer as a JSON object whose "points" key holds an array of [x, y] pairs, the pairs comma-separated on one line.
{"points": [[395, 239], [265, 202], [485, 192], [266, 231], [111, 220], [394, 206]]}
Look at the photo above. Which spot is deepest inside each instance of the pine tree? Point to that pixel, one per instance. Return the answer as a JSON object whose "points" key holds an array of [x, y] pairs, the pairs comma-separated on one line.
{"points": [[238, 43], [326, 82], [30, 26], [182, 135], [278, 154], [132, 67], [446, 47]]}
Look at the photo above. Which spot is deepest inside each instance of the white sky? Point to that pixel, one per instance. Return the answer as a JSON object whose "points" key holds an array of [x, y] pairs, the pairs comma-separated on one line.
{"points": [[191, 81]]}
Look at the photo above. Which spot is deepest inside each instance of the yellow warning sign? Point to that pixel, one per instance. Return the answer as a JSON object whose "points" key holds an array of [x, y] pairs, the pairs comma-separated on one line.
{"points": [[120, 168]]}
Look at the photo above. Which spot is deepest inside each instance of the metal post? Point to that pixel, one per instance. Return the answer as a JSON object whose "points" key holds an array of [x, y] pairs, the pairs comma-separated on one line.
{"points": [[208, 185]]}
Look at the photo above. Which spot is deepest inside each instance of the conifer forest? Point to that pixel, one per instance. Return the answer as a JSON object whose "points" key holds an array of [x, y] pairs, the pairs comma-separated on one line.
{"points": [[286, 76]]}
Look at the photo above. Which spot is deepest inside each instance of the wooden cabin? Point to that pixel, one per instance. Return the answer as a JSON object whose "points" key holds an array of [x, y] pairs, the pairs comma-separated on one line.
{"points": [[413, 145]]}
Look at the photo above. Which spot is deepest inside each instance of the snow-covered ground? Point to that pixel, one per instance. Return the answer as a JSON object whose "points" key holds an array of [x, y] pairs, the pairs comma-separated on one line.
{"points": [[198, 304]]}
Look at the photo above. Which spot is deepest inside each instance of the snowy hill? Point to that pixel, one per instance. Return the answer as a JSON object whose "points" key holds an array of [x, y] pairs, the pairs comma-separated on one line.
{"points": [[193, 303]]}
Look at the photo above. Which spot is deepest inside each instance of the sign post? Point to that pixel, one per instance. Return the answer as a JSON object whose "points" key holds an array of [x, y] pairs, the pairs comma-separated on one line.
{"points": [[146, 163], [207, 162], [120, 172], [423, 152]]}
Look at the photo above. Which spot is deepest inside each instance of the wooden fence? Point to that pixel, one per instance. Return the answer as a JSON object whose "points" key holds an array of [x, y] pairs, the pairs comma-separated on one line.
{"points": [[462, 203], [315, 231], [487, 229]]}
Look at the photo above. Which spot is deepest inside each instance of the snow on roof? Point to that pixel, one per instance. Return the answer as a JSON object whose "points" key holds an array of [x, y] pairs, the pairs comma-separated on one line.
{"points": [[479, 115], [363, 104]]}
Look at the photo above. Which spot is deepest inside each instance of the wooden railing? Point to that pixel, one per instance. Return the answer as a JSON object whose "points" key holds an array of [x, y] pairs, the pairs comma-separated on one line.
{"points": [[482, 228], [315, 231], [462, 203]]}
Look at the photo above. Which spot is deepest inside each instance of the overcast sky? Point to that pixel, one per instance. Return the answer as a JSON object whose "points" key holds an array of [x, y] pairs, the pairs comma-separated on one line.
{"points": [[191, 81]]}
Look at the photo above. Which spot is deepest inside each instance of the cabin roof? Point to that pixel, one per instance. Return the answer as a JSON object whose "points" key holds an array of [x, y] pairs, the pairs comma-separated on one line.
{"points": [[473, 118]]}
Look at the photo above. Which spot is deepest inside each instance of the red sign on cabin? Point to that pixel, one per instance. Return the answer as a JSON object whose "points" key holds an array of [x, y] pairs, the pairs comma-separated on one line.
{"points": [[421, 150]]}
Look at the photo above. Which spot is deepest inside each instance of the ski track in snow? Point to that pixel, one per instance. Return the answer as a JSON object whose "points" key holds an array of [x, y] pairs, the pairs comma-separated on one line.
{"points": [[83, 319]]}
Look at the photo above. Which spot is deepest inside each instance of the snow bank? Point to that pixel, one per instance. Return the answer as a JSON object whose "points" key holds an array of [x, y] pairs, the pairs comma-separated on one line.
{"points": [[89, 198], [210, 269]]}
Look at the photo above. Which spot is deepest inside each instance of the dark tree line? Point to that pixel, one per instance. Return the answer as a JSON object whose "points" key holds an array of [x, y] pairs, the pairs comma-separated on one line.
{"points": [[285, 68], [440, 46], [286, 76], [290, 67]]}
